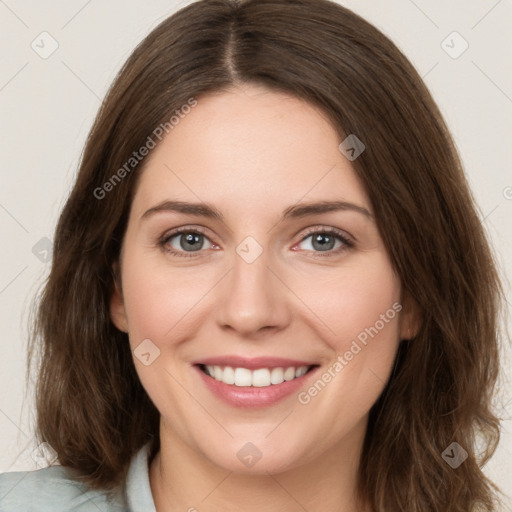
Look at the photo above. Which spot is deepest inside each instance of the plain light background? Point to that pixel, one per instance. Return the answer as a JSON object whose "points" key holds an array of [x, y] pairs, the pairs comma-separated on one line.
{"points": [[48, 105]]}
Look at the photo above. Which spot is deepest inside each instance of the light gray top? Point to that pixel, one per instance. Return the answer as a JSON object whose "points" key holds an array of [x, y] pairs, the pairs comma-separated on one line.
{"points": [[53, 489]]}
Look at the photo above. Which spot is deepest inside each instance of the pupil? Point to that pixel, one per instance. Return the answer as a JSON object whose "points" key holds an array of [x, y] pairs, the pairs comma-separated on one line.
{"points": [[325, 242], [191, 241]]}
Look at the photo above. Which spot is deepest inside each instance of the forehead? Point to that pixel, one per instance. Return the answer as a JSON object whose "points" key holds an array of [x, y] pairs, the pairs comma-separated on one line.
{"points": [[249, 149]]}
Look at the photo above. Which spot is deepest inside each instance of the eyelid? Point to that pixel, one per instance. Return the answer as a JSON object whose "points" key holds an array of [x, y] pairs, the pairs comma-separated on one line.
{"points": [[328, 229], [181, 229]]}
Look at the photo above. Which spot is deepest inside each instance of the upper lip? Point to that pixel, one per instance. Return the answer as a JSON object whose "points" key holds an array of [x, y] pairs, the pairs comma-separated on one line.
{"points": [[253, 363]]}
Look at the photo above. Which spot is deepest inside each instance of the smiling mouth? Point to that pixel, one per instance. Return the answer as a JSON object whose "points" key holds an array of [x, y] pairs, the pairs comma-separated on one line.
{"points": [[260, 377]]}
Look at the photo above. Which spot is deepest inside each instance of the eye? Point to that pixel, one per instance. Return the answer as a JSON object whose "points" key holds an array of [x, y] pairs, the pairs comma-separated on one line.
{"points": [[329, 241], [185, 240]]}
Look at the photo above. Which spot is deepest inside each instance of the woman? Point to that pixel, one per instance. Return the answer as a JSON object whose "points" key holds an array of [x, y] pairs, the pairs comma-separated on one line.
{"points": [[270, 289]]}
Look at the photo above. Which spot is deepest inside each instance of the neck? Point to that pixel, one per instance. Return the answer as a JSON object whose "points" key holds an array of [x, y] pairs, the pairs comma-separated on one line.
{"points": [[183, 479]]}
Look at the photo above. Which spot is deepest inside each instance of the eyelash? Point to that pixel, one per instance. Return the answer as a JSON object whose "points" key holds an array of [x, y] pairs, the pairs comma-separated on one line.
{"points": [[347, 244]]}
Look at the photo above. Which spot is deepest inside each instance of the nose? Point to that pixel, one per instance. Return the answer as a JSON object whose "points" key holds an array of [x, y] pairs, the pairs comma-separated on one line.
{"points": [[253, 298]]}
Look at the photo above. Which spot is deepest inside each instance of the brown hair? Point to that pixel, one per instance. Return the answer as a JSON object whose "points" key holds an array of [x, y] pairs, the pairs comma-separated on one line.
{"points": [[91, 406]]}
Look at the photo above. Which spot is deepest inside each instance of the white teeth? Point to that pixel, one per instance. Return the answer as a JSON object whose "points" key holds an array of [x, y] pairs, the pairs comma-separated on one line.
{"points": [[260, 378], [301, 371], [289, 373], [216, 372], [243, 377], [276, 376], [228, 375]]}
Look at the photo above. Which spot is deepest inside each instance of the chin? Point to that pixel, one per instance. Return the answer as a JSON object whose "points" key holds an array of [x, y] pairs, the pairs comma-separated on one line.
{"points": [[255, 457]]}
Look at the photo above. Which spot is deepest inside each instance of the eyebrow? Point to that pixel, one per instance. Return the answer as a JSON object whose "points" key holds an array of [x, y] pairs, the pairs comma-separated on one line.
{"points": [[294, 211]]}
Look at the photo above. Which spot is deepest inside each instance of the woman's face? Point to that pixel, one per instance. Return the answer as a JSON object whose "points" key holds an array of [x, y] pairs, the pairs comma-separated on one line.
{"points": [[265, 279]]}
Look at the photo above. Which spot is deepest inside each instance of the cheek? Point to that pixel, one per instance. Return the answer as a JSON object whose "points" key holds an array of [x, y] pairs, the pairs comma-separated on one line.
{"points": [[160, 304], [362, 310], [159, 298], [359, 302]]}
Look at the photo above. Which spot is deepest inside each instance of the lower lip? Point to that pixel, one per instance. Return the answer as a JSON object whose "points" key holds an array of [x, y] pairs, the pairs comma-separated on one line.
{"points": [[250, 396]]}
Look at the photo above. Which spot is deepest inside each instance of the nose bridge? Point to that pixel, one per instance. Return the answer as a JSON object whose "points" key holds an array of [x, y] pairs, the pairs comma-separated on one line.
{"points": [[253, 297]]}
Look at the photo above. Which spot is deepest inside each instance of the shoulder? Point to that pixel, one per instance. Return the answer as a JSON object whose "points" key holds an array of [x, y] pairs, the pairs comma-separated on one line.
{"points": [[53, 489]]}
